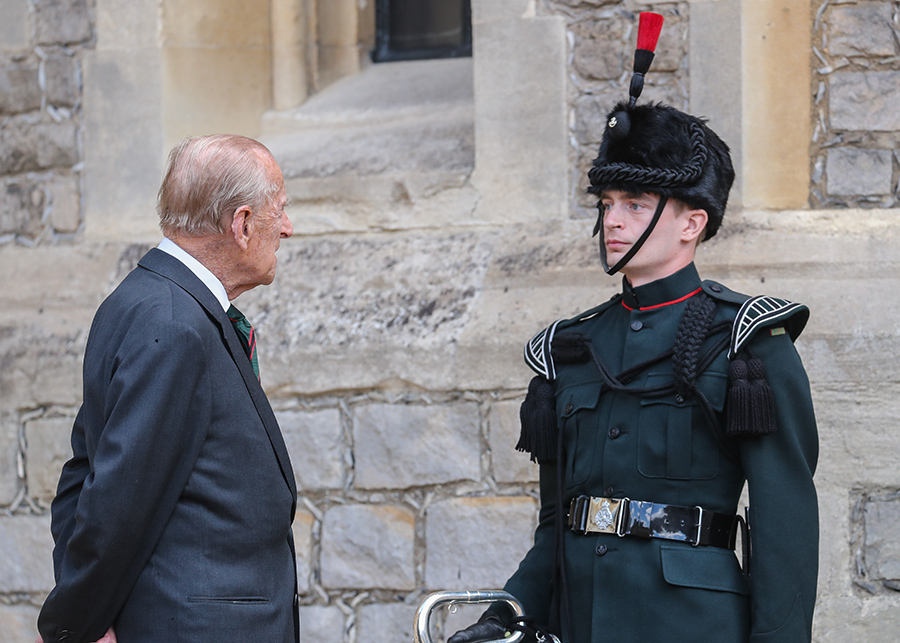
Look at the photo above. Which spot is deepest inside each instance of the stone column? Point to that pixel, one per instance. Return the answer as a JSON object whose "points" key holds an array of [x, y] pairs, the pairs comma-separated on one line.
{"points": [[290, 83], [522, 160], [750, 76]]}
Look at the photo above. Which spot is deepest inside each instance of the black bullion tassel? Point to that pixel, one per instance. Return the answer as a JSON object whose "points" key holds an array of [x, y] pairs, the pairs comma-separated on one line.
{"points": [[751, 402], [539, 426]]}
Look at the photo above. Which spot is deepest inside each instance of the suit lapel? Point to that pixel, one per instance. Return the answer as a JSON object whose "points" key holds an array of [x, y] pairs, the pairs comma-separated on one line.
{"points": [[171, 268]]}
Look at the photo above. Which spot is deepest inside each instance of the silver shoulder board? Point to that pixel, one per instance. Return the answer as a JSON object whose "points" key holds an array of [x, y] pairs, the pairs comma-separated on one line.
{"points": [[756, 313], [537, 352]]}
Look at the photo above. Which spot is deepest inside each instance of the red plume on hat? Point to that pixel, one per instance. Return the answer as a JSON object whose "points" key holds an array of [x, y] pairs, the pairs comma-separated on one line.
{"points": [[649, 27]]}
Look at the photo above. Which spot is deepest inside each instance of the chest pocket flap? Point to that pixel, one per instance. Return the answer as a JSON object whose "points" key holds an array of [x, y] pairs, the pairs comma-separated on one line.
{"points": [[674, 439], [577, 407]]}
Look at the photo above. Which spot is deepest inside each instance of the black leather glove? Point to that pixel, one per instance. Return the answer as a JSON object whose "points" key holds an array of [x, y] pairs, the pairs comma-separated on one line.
{"points": [[488, 628]]}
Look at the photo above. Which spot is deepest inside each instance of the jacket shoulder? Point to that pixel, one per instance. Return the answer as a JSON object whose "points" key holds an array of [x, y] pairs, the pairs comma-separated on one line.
{"points": [[756, 313], [538, 350]]}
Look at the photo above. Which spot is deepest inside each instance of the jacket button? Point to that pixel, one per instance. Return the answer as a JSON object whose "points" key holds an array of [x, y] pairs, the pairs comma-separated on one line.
{"points": [[637, 324], [679, 398], [614, 432], [715, 288], [569, 408], [609, 491], [63, 635], [602, 549]]}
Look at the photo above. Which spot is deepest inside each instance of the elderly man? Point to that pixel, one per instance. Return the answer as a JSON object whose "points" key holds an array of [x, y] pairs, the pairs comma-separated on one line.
{"points": [[172, 520]]}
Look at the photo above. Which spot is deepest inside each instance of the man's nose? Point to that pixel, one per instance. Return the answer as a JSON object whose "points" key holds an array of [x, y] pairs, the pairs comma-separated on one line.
{"points": [[612, 218], [287, 229]]}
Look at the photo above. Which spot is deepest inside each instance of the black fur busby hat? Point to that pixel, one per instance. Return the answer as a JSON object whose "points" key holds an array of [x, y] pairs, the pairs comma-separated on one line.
{"points": [[657, 148]]}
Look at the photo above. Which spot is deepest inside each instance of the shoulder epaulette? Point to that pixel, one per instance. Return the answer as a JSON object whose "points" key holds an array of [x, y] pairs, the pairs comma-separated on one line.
{"points": [[762, 311], [538, 354]]}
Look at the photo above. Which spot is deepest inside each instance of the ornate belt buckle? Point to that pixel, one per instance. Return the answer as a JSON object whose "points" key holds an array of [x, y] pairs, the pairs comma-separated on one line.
{"points": [[605, 516]]}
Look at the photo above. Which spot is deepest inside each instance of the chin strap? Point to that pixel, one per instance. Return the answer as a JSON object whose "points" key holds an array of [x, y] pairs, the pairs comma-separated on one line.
{"points": [[635, 246]]}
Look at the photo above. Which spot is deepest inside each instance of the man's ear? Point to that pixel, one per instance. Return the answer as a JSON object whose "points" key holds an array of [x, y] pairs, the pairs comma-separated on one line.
{"points": [[240, 226], [694, 224]]}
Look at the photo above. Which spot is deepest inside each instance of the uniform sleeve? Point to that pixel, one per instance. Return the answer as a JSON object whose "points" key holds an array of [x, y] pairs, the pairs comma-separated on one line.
{"points": [[109, 517], [784, 524], [531, 583]]}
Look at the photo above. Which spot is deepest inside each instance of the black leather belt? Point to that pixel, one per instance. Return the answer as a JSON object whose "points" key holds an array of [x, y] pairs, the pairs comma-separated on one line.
{"points": [[626, 517]]}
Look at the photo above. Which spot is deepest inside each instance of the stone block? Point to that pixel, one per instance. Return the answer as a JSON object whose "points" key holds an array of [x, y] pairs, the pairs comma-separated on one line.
{"points": [[61, 21], [303, 545], [508, 464], [315, 444], [20, 90], [865, 100], [203, 79], [62, 82], [18, 622], [40, 367], [840, 618], [599, 50], [590, 118], [217, 23], [47, 451], [882, 547], [26, 565], [424, 444], [21, 207], [385, 621], [65, 203], [521, 119], [9, 458], [671, 50], [122, 24], [15, 26], [859, 172], [368, 547], [501, 10], [477, 543], [123, 146], [865, 29], [27, 146], [321, 623], [56, 144]]}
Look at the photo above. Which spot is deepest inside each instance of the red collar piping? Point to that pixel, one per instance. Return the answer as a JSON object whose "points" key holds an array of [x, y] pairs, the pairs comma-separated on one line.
{"points": [[666, 303]]}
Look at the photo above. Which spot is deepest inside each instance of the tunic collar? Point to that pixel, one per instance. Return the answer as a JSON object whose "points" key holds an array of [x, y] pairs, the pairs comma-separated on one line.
{"points": [[669, 290]]}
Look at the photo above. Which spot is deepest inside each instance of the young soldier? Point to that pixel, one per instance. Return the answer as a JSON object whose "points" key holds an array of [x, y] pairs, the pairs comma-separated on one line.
{"points": [[650, 412]]}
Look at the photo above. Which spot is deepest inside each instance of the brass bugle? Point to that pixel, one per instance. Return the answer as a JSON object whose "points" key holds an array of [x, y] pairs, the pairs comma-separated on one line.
{"points": [[422, 622]]}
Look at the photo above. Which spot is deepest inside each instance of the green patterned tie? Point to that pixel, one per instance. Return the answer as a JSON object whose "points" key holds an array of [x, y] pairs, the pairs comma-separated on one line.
{"points": [[245, 332]]}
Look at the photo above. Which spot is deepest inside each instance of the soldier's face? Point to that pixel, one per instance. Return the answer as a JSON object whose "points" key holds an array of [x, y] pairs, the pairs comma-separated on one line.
{"points": [[669, 247]]}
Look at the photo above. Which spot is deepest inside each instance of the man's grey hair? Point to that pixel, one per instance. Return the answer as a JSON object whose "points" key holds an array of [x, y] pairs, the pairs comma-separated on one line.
{"points": [[208, 178]]}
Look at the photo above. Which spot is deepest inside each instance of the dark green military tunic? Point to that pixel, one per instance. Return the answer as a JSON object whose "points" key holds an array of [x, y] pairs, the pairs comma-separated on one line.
{"points": [[636, 590]]}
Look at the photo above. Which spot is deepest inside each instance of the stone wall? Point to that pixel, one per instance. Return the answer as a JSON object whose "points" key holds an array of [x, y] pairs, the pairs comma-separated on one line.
{"points": [[857, 132], [436, 233], [41, 47]]}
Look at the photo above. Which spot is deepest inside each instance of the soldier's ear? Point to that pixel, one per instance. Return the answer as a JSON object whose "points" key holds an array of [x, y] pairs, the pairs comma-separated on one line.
{"points": [[694, 224]]}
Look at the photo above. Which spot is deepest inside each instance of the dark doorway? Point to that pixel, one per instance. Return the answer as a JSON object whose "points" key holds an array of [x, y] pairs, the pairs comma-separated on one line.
{"points": [[420, 29]]}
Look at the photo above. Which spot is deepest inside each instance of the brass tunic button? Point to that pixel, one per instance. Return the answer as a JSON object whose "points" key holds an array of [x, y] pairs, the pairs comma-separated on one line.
{"points": [[637, 324]]}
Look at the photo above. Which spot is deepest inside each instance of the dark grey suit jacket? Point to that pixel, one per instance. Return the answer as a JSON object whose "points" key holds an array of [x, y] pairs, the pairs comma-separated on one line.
{"points": [[172, 520]]}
